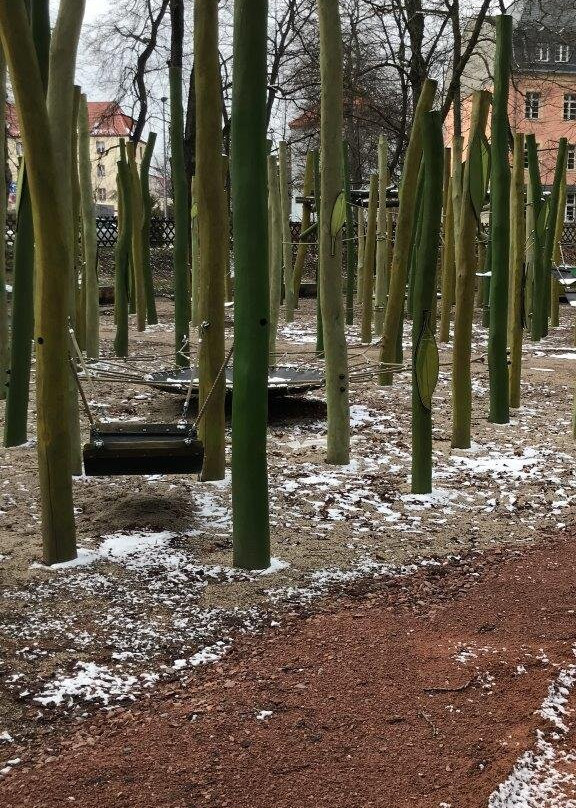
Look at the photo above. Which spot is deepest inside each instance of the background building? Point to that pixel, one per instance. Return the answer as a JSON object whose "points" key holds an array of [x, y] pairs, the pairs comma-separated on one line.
{"points": [[543, 86], [108, 124]]}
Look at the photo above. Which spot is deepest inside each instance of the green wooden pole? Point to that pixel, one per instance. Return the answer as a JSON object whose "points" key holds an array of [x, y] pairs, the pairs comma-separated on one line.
{"points": [[404, 233], [286, 232], [465, 276], [539, 280], [424, 350], [180, 193], [52, 251], [151, 313], [18, 390], [275, 244], [251, 531], [517, 232], [195, 259], [350, 251], [369, 262], [213, 236], [335, 349], [553, 212], [307, 190], [4, 327], [122, 259], [500, 213], [137, 245], [381, 288], [318, 198], [89, 235], [448, 267], [555, 288]]}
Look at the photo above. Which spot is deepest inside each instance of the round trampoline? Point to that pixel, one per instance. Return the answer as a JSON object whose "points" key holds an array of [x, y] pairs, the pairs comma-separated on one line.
{"points": [[282, 380]]}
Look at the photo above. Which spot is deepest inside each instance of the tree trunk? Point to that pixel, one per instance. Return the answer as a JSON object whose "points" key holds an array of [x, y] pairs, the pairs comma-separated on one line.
{"points": [[122, 257], [213, 236], [137, 246], [350, 251], [275, 252], [251, 320]]}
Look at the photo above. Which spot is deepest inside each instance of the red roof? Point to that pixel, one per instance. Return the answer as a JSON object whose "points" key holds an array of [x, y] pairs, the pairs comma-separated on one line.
{"points": [[105, 117]]}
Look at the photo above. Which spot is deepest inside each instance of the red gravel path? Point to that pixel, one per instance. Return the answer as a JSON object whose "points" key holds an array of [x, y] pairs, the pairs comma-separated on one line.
{"points": [[369, 706]]}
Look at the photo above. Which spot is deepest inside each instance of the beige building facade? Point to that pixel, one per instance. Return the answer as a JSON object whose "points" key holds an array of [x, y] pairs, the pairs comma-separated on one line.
{"points": [[108, 125]]}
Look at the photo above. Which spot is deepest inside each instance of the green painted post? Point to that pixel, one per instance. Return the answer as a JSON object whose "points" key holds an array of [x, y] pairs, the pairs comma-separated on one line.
{"points": [[286, 232], [553, 212], [424, 349], [89, 234], [539, 214], [517, 247], [472, 201], [500, 215], [369, 262], [251, 530], [381, 287], [122, 259], [275, 244], [151, 313], [307, 190], [318, 199], [404, 234], [350, 251], [330, 235], [4, 328]]}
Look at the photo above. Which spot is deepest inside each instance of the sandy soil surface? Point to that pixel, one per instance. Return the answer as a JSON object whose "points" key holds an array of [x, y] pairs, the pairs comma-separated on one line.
{"points": [[155, 597]]}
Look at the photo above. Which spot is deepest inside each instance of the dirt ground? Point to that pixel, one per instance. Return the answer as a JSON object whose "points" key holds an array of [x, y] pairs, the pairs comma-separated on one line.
{"points": [[158, 600]]}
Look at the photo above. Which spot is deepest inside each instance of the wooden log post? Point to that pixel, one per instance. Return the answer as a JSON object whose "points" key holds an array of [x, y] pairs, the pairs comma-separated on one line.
{"points": [[404, 233], [151, 313], [250, 508], [369, 262], [517, 248], [285, 206], [381, 287], [465, 276], [213, 236]]}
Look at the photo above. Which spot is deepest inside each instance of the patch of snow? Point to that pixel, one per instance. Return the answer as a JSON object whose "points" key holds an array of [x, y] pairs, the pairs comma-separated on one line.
{"points": [[263, 715], [554, 706], [5, 737]]}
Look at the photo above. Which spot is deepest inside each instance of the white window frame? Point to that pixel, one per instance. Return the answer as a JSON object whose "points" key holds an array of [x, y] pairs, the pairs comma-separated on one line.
{"points": [[532, 105], [100, 147], [571, 157], [542, 52], [101, 194], [101, 170], [570, 210], [562, 53], [569, 107]]}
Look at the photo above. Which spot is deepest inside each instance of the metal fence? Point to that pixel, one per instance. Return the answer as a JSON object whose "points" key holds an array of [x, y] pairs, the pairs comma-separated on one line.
{"points": [[161, 231]]}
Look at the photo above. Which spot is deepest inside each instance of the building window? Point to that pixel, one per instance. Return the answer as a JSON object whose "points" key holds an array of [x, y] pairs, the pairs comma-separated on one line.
{"points": [[532, 110], [561, 53], [570, 107], [101, 194], [570, 213], [571, 157], [19, 148], [101, 170], [542, 52], [100, 147]]}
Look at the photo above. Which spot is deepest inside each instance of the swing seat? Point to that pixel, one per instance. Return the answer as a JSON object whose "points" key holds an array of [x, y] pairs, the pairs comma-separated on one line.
{"points": [[121, 448]]}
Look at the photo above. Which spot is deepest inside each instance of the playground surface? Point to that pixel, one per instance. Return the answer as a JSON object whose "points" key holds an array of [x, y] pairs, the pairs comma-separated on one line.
{"points": [[419, 635]]}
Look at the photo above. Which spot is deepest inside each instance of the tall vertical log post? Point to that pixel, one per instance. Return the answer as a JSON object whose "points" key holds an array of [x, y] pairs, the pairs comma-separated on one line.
{"points": [[51, 306], [331, 114], [250, 508], [404, 231], [465, 276], [517, 245], [213, 236], [500, 217], [180, 189], [381, 288]]}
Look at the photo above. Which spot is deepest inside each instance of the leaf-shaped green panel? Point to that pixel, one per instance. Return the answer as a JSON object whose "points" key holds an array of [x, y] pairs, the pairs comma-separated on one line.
{"points": [[476, 177], [338, 215], [426, 365]]}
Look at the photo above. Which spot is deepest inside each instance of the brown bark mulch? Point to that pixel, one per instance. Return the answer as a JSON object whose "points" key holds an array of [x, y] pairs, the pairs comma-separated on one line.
{"points": [[368, 704]]}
